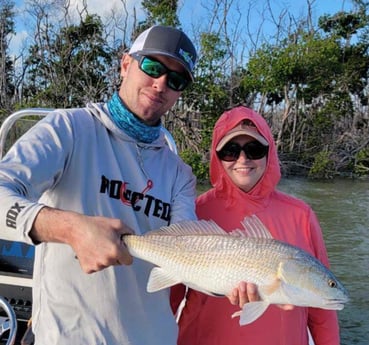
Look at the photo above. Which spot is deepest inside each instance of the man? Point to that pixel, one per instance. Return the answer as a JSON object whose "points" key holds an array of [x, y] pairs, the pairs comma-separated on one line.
{"points": [[80, 179]]}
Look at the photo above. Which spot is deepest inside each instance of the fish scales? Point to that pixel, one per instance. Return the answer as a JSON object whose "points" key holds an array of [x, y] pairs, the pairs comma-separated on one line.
{"points": [[221, 261]]}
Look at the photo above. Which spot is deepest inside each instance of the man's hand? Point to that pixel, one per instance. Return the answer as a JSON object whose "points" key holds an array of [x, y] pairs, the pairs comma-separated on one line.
{"points": [[101, 244], [96, 241]]}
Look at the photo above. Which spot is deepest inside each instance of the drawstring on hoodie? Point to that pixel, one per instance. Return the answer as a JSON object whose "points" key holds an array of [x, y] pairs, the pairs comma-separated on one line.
{"points": [[149, 183]]}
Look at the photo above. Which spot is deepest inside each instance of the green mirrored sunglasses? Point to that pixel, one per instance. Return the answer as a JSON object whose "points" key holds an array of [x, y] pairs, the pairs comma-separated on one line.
{"points": [[155, 69]]}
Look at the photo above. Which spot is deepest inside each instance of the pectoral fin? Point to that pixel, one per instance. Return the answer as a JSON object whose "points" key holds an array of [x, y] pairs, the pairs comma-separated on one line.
{"points": [[159, 279], [251, 311], [271, 288]]}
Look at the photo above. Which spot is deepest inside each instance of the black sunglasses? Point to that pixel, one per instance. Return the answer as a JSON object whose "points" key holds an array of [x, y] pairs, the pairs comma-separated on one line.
{"points": [[155, 69], [253, 150]]}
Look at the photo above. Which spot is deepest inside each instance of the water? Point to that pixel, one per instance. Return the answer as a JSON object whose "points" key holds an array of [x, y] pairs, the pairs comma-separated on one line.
{"points": [[343, 210]]}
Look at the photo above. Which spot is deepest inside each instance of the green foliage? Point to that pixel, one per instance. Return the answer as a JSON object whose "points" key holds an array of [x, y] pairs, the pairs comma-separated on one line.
{"points": [[71, 67], [323, 166], [325, 122], [343, 24], [259, 73], [355, 67], [162, 12], [199, 168], [353, 63], [303, 64], [209, 92], [7, 27], [210, 78], [322, 123], [362, 162], [338, 106]]}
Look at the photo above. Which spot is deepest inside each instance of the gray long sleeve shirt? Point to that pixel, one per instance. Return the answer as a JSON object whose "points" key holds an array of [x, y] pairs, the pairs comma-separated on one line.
{"points": [[78, 160]]}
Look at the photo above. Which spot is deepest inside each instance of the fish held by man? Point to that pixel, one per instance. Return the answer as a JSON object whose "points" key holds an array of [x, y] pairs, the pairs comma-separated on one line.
{"points": [[204, 257]]}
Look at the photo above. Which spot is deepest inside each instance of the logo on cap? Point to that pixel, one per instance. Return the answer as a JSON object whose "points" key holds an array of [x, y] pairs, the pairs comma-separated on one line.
{"points": [[186, 56]]}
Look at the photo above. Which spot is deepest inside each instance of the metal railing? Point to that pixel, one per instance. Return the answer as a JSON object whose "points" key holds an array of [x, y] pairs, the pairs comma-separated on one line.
{"points": [[13, 118]]}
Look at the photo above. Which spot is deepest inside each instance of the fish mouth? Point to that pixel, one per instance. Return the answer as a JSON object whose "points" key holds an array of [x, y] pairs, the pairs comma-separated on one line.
{"points": [[337, 304]]}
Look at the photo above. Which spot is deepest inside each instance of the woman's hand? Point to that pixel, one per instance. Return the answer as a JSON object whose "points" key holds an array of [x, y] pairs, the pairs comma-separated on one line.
{"points": [[248, 292], [244, 293]]}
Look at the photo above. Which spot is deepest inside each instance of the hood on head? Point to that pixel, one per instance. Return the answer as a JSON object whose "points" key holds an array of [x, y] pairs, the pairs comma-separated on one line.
{"points": [[227, 122]]}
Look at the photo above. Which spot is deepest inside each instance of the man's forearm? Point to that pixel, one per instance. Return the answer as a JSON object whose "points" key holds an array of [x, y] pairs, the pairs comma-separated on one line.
{"points": [[53, 225]]}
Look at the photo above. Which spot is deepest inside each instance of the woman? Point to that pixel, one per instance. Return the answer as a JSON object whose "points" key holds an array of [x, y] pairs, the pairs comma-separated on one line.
{"points": [[244, 173]]}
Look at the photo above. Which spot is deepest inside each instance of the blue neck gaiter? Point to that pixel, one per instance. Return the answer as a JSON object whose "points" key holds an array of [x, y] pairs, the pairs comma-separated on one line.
{"points": [[129, 123]]}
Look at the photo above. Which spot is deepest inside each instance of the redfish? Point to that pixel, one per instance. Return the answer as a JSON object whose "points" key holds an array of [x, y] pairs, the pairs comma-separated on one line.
{"points": [[204, 257]]}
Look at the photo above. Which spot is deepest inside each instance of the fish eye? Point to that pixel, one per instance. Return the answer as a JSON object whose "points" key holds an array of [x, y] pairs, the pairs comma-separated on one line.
{"points": [[332, 283]]}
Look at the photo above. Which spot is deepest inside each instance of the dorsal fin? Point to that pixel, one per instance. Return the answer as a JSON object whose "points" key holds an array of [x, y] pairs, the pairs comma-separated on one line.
{"points": [[252, 227], [190, 227]]}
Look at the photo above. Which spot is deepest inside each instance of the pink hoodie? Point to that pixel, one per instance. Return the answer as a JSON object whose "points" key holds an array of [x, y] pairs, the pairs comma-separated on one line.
{"points": [[207, 320]]}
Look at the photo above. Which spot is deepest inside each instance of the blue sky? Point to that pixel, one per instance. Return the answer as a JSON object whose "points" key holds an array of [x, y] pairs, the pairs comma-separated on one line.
{"points": [[194, 7], [193, 11]]}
